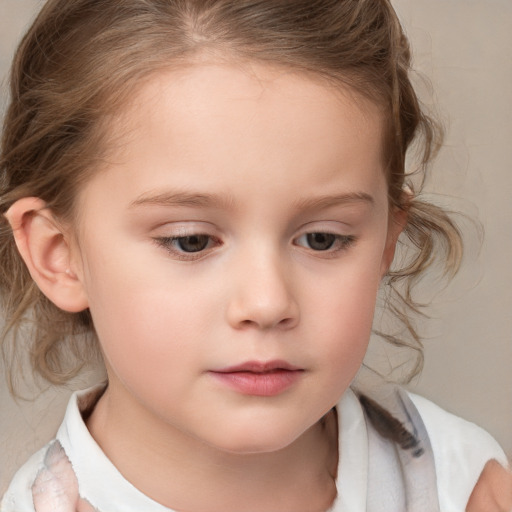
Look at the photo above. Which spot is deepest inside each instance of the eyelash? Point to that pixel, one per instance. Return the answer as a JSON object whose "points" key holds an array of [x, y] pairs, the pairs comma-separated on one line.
{"points": [[171, 244], [339, 242]]}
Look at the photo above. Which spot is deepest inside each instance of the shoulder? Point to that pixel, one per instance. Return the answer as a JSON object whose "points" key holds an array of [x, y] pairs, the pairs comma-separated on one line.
{"points": [[18, 497], [461, 450]]}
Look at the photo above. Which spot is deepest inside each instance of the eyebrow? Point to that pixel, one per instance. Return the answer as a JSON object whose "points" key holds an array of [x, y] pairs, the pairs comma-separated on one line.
{"points": [[334, 200], [194, 200], [200, 200]]}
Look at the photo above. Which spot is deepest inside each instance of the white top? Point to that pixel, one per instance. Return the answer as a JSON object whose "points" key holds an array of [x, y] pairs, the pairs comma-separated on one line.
{"points": [[460, 450]]}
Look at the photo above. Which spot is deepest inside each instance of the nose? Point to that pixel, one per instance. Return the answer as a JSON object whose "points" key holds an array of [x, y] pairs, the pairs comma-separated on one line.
{"points": [[261, 294]]}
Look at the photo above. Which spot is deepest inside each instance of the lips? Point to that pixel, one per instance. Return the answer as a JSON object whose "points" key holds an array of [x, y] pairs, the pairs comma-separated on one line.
{"points": [[259, 378]]}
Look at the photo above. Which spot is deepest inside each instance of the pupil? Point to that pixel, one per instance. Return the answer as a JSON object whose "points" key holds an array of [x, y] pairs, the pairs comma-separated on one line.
{"points": [[194, 243], [321, 241]]}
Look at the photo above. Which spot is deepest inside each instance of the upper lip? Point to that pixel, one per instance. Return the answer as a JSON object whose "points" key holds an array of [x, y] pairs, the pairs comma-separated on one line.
{"points": [[259, 367]]}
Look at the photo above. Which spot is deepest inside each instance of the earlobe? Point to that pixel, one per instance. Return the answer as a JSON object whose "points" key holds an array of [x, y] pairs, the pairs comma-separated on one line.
{"points": [[44, 247]]}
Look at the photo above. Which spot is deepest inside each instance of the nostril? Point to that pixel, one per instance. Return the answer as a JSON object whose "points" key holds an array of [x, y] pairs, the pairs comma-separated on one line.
{"points": [[284, 323], [287, 322], [248, 323]]}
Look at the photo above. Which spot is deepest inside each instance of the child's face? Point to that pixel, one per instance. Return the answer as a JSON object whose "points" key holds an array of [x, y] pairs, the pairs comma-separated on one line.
{"points": [[241, 220]]}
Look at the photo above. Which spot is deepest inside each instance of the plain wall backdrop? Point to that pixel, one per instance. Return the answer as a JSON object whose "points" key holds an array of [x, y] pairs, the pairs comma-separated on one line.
{"points": [[464, 47]]}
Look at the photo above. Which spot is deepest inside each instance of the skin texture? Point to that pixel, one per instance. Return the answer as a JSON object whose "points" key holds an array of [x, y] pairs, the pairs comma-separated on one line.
{"points": [[493, 492], [253, 160]]}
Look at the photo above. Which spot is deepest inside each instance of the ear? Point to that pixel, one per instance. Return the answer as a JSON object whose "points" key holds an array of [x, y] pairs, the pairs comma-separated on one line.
{"points": [[396, 224], [44, 247]]}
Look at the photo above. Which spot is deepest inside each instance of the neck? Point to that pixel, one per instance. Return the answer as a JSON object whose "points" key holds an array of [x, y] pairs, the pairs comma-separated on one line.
{"points": [[183, 473]]}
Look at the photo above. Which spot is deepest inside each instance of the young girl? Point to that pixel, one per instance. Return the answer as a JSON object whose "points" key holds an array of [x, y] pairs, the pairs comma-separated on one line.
{"points": [[210, 193]]}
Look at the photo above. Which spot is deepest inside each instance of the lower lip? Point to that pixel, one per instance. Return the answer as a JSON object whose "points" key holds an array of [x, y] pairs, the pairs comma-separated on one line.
{"points": [[270, 383]]}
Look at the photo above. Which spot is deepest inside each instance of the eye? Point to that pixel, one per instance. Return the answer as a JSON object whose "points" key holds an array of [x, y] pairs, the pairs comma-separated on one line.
{"points": [[320, 241], [325, 241], [188, 246], [192, 243]]}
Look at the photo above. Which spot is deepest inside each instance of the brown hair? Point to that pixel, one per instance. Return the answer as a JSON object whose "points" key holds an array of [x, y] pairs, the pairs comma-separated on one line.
{"points": [[81, 60]]}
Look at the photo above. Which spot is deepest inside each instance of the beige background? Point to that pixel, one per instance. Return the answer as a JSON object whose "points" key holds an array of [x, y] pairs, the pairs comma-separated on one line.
{"points": [[465, 48]]}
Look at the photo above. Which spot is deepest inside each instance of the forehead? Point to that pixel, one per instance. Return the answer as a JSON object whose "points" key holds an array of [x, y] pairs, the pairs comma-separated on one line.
{"points": [[219, 89], [239, 84], [216, 123]]}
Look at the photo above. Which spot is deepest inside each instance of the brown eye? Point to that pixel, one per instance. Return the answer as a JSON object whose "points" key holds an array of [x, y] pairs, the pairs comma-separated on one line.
{"points": [[330, 243], [320, 241], [193, 243], [188, 247]]}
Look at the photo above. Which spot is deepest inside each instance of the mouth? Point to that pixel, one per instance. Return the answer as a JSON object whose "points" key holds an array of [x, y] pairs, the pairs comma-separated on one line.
{"points": [[259, 378]]}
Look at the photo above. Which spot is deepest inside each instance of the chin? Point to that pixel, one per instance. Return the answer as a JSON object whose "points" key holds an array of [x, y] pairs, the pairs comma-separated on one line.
{"points": [[253, 448], [254, 440]]}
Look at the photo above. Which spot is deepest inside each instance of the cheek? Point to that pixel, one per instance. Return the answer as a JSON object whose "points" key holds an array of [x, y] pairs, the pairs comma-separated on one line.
{"points": [[344, 309], [149, 320], [347, 296], [145, 349]]}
